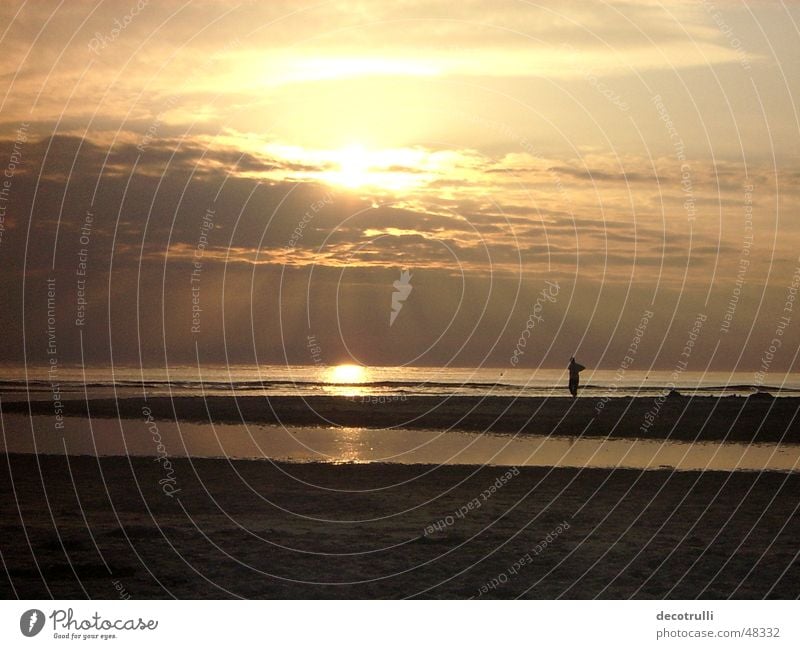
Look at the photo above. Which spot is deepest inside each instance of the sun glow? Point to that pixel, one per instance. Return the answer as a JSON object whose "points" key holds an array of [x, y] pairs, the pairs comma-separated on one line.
{"points": [[346, 374], [355, 167]]}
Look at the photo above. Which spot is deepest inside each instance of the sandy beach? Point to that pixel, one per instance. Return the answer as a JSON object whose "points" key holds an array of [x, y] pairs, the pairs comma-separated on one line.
{"points": [[737, 419], [106, 528]]}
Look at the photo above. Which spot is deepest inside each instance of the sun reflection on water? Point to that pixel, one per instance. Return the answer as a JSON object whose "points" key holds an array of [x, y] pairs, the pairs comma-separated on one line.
{"points": [[347, 380], [351, 447]]}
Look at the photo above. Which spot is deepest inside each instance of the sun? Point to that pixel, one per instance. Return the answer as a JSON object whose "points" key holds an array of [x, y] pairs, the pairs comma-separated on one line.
{"points": [[357, 167], [347, 374], [353, 167]]}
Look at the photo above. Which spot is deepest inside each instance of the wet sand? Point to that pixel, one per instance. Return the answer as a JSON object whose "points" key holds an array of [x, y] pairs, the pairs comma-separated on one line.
{"points": [[263, 530], [737, 419]]}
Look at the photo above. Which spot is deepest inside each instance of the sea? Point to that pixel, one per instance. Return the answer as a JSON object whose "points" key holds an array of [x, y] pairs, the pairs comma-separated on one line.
{"points": [[35, 382], [130, 437]]}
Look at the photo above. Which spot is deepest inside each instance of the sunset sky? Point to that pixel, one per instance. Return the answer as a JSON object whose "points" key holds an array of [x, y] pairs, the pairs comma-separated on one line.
{"points": [[643, 155]]}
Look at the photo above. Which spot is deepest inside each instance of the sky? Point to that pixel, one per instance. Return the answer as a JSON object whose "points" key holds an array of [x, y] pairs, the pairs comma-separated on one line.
{"points": [[212, 182]]}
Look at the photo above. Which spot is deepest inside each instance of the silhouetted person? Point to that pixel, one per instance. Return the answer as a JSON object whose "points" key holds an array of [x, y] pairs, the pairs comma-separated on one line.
{"points": [[575, 370]]}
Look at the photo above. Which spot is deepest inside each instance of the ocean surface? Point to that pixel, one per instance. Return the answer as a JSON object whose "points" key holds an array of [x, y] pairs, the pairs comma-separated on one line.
{"points": [[348, 445], [270, 380], [99, 437]]}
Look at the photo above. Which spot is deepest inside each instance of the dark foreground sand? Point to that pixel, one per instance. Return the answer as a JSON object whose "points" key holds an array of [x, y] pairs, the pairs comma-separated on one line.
{"points": [[743, 419], [253, 529]]}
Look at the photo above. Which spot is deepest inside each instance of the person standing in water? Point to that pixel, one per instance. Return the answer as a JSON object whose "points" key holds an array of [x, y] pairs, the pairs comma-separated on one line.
{"points": [[575, 370]]}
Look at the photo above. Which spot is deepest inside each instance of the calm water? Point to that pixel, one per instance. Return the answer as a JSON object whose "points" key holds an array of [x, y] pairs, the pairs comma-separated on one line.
{"points": [[373, 381], [298, 444], [338, 445]]}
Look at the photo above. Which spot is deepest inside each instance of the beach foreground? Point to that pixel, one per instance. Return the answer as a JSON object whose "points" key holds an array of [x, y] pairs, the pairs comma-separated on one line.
{"points": [[263, 530], [759, 418]]}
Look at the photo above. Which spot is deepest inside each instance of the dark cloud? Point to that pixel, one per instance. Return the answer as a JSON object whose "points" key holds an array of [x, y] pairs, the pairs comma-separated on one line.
{"points": [[597, 175]]}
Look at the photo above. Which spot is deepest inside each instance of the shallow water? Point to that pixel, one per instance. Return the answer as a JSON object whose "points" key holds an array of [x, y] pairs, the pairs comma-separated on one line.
{"points": [[297, 380], [80, 436]]}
